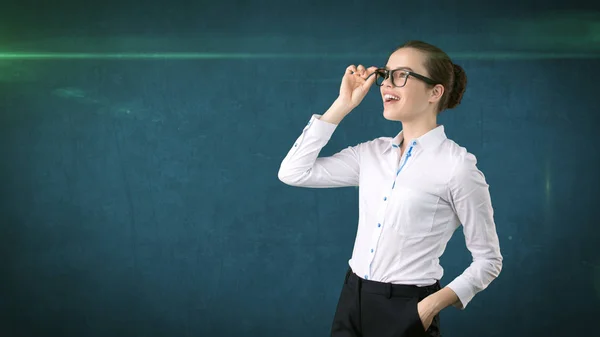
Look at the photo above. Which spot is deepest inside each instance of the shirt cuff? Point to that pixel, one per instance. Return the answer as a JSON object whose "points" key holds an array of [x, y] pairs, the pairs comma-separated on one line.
{"points": [[463, 290]]}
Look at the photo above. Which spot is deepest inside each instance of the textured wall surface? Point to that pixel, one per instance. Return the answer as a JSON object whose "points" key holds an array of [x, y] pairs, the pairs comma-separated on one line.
{"points": [[139, 192]]}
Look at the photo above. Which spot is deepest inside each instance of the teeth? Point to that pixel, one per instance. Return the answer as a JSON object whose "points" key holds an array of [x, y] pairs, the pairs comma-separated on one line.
{"points": [[388, 96]]}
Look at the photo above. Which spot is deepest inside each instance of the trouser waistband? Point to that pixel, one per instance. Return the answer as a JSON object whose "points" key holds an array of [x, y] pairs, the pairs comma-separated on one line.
{"points": [[390, 289]]}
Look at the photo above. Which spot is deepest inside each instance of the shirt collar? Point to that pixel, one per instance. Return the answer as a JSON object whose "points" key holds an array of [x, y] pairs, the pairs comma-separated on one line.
{"points": [[429, 140]]}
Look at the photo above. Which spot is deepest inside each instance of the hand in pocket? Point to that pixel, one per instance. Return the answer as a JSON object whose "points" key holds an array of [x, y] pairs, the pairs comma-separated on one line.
{"points": [[426, 313]]}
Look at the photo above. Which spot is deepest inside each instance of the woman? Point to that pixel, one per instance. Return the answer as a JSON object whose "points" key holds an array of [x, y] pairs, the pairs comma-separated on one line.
{"points": [[415, 190]]}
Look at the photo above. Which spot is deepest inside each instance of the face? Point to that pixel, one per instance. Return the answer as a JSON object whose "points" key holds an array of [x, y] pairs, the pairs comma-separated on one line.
{"points": [[416, 99]]}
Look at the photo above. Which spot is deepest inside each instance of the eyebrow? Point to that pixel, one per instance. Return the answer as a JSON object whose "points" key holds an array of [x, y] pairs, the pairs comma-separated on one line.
{"points": [[404, 68]]}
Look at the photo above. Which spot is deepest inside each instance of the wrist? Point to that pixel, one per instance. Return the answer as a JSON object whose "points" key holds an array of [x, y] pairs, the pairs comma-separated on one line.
{"points": [[336, 112], [436, 304], [442, 299]]}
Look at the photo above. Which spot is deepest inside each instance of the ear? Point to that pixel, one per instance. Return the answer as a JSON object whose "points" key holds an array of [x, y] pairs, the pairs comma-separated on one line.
{"points": [[436, 93]]}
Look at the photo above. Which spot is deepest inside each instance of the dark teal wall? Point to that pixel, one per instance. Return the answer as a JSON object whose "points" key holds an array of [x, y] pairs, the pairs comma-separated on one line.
{"points": [[139, 196]]}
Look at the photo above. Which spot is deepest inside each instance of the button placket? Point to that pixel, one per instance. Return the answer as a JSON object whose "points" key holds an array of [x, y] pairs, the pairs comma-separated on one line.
{"points": [[384, 206]]}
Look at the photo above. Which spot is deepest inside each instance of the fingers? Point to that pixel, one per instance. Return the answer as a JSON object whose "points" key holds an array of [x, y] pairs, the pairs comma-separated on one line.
{"points": [[360, 71], [371, 70]]}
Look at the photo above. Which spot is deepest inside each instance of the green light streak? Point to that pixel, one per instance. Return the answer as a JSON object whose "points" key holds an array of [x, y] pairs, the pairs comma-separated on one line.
{"points": [[153, 56], [248, 56]]}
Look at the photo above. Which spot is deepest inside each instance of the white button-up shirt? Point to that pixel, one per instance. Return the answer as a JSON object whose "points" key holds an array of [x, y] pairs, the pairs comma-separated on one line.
{"points": [[409, 207]]}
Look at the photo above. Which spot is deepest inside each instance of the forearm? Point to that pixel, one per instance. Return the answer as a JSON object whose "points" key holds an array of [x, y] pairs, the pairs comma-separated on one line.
{"points": [[335, 113]]}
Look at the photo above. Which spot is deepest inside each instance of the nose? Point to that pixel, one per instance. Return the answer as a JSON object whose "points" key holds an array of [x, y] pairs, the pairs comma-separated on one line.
{"points": [[387, 81]]}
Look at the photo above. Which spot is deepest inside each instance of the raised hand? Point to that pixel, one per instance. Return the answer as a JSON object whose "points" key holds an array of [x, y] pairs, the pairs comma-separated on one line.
{"points": [[355, 85]]}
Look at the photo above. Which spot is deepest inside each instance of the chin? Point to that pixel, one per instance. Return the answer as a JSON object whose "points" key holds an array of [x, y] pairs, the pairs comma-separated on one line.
{"points": [[392, 115]]}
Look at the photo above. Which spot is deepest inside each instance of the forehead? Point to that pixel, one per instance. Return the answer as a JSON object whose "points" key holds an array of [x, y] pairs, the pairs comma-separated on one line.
{"points": [[409, 58]]}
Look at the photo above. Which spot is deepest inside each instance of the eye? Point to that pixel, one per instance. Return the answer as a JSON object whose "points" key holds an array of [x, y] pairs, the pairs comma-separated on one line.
{"points": [[400, 74]]}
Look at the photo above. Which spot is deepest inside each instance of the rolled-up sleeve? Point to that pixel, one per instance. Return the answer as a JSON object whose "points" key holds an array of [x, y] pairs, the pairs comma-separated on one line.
{"points": [[471, 200], [303, 167]]}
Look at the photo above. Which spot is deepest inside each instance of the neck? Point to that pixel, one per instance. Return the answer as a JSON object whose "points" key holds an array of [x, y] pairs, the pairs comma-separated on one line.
{"points": [[415, 129]]}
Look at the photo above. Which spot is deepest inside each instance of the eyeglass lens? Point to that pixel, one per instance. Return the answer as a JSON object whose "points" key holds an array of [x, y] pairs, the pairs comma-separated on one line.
{"points": [[398, 77]]}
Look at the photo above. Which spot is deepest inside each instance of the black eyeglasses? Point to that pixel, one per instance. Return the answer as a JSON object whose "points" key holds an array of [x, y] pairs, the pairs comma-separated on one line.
{"points": [[399, 77]]}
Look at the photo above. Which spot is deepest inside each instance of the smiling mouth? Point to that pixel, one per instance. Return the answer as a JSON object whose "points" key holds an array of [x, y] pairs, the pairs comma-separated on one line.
{"points": [[387, 98]]}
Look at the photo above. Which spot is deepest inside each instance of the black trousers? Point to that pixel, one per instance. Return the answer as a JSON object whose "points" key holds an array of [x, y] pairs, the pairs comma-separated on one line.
{"points": [[374, 309]]}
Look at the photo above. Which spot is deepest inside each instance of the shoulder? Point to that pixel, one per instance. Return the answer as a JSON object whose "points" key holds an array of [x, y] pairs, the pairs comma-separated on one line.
{"points": [[462, 164], [457, 154]]}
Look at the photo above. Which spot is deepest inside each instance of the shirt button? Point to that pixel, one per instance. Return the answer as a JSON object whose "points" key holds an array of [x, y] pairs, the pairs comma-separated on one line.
{"points": [[371, 250], [384, 198], [366, 277], [414, 143], [378, 225]]}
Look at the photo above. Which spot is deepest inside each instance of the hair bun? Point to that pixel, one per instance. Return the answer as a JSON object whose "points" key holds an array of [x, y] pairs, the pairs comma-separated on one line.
{"points": [[458, 87]]}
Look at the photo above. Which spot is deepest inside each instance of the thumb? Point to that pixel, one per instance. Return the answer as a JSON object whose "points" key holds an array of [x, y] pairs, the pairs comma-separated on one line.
{"points": [[372, 74], [370, 79]]}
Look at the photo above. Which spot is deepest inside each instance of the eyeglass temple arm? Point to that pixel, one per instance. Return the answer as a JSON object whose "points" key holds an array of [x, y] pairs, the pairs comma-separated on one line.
{"points": [[373, 73]]}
